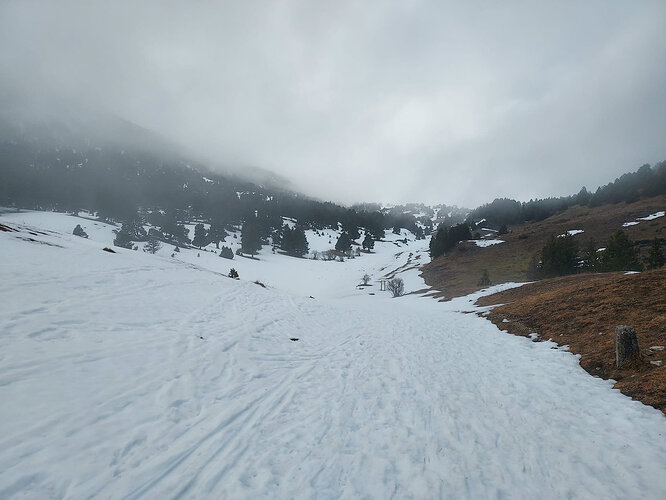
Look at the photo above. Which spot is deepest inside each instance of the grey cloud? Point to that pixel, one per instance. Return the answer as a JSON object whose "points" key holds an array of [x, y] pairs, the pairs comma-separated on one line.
{"points": [[397, 101]]}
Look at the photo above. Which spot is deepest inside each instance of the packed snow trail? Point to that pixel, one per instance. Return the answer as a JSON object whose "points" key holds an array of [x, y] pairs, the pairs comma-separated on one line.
{"points": [[131, 376]]}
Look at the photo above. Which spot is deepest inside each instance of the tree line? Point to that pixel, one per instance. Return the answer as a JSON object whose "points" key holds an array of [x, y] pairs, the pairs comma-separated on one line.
{"points": [[562, 255], [646, 182]]}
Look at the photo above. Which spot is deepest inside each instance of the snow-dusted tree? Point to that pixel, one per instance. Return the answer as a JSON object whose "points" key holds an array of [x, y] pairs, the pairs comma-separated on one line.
{"points": [[396, 286], [233, 273], [152, 246], [78, 231], [365, 279]]}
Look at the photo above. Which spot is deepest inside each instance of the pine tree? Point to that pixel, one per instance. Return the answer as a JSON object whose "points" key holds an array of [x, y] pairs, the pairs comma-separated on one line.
{"points": [[173, 230], [655, 258], [294, 241], [250, 237], [485, 279], [590, 256], [134, 227], [559, 256], [226, 253], [123, 238], [152, 246], [368, 242], [344, 243], [216, 233], [620, 254], [445, 239], [200, 236], [78, 231]]}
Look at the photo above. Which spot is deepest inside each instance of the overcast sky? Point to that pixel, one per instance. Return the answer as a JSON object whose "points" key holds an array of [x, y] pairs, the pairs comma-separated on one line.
{"points": [[446, 102]]}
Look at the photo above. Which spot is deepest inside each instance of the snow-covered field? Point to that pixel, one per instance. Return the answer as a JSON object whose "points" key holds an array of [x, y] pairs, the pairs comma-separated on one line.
{"points": [[131, 375]]}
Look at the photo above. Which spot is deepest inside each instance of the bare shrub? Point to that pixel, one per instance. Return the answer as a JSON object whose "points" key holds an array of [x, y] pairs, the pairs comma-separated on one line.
{"points": [[396, 286]]}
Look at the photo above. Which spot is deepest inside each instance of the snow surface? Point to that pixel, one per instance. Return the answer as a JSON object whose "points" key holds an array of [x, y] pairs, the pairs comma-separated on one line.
{"points": [[653, 216], [571, 232], [131, 375], [487, 243]]}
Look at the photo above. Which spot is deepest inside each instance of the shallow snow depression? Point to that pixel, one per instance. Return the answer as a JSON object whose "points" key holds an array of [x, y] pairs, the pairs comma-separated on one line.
{"points": [[128, 375]]}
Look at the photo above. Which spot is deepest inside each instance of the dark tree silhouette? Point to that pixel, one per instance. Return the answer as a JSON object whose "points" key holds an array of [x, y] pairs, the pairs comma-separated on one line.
{"points": [[655, 258], [344, 243]]}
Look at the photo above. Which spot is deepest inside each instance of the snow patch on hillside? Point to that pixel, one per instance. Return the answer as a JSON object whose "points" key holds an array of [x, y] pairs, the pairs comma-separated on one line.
{"points": [[487, 243], [638, 220]]}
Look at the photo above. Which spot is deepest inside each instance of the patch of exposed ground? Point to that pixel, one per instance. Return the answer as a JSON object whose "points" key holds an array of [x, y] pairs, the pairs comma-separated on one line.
{"points": [[582, 311], [458, 272]]}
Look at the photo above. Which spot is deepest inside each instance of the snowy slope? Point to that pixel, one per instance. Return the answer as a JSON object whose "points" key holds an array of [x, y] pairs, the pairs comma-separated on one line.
{"points": [[129, 375]]}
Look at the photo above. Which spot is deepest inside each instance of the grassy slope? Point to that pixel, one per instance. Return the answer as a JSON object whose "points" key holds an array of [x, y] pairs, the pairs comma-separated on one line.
{"points": [[582, 311], [458, 272]]}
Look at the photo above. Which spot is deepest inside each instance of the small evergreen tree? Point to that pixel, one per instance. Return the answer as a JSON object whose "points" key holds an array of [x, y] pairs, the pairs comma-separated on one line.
{"points": [[123, 238], [534, 268], [485, 279], [368, 242], [172, 230], [250, 236], [233, 273], [294, 241], [133, 225], [78, 231], [590, 256], [559, 256], [365, 279], [152, 246], [445, 239], [344, 243], [216, 233], [620, 254], [655, 258], [200, 236], [226, 253]]}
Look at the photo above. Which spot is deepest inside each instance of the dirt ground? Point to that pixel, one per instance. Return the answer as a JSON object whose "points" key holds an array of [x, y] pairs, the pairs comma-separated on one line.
{"points": [[582, 311]]}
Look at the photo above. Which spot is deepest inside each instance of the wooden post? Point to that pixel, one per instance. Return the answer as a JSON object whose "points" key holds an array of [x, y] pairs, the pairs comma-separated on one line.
{"points": [[626, 345]]}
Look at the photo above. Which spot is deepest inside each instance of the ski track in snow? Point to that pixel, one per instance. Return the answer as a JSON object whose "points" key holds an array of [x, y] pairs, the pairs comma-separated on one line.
{"points": [[131, 376]]}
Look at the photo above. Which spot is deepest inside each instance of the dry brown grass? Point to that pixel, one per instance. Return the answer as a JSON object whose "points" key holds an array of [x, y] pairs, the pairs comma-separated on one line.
{"points": [[582, 311], [458, 272]]}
